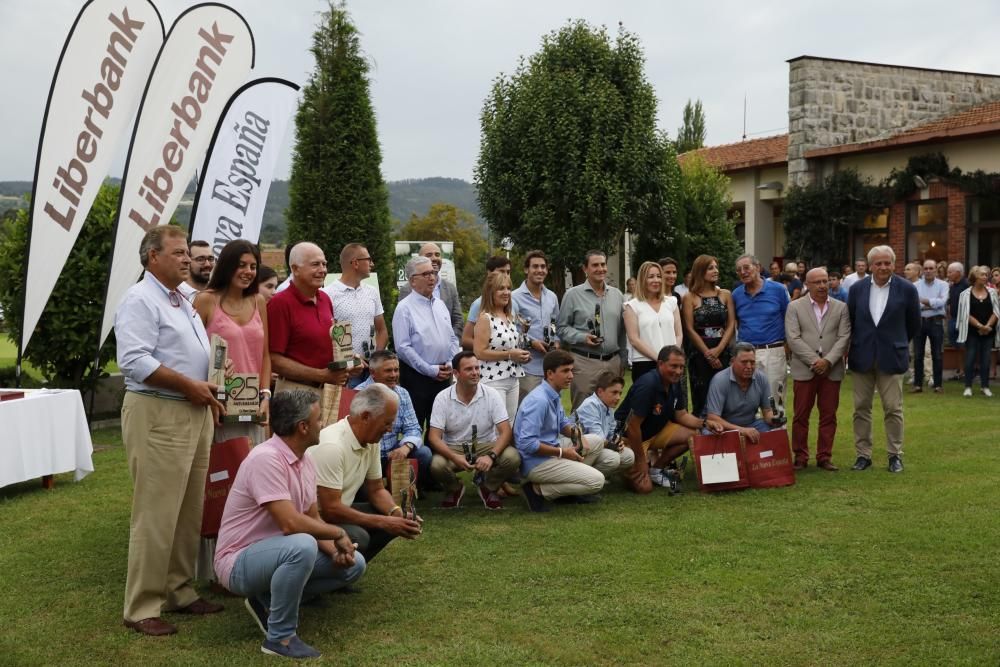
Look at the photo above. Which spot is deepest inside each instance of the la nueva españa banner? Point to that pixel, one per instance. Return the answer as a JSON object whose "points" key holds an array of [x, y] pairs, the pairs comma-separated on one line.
{"points": [[240, 163]]}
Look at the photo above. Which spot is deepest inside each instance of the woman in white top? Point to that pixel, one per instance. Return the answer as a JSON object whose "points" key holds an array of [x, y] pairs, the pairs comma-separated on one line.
{"points": [[978, 315], [495, 341], [652, 320]]}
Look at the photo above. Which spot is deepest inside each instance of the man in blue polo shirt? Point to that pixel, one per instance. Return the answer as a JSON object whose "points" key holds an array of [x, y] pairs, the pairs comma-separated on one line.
{"points": [[657, 419], [760, 313]]}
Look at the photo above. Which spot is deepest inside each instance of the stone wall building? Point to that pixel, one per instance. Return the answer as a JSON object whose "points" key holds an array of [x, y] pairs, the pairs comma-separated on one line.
{"points": [[873, 118]]}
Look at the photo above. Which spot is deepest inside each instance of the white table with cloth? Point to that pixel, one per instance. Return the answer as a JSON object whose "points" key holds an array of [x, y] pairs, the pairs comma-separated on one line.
{"points": [[43, 434]]}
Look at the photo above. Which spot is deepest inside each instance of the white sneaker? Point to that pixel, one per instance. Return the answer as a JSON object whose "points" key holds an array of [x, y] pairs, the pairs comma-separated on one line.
{"points": [[967, 392], [656, 476], [987, 393]]}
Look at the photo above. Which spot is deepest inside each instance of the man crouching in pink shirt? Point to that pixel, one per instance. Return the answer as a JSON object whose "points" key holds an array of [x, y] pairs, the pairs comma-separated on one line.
{"points": [[273, 547]]}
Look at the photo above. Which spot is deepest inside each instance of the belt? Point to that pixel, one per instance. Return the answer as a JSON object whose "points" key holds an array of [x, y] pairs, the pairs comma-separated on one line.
{"points": [[769, 346], [158, 394], [600, 357], [935, 317]]}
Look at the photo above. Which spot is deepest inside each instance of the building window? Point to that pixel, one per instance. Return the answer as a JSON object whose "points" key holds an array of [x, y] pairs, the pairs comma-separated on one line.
{"points": [[927, 231], [983, 229], [873, 231]]}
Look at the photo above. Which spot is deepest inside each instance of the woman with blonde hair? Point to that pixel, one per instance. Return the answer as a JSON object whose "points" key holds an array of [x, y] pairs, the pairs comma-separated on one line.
{"points": [[978, 313], [652, 320], [495, 341], [710, 321]]}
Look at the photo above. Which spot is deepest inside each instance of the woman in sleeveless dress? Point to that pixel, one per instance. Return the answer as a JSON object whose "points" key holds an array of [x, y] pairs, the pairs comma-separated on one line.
{"points": [[495, 341], [709, 320], [652, 320], [232, 308]]}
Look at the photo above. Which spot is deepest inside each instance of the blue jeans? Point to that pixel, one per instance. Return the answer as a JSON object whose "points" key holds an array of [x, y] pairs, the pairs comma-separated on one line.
{"points": [[933, 328], [977, 348], [953, 335], [280, 570]]}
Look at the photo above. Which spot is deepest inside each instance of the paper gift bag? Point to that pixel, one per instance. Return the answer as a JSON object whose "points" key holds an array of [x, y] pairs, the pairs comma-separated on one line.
{"points": [[223, 462], [769, 461], [719, 462]]}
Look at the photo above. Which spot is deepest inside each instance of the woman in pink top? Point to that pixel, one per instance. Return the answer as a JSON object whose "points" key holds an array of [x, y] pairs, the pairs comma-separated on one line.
{"points": [[232, 308]]}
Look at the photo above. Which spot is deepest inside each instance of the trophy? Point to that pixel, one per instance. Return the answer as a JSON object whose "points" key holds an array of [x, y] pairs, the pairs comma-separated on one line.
{"points": [[217, 369], [403, 481], [595, 324], [549, 334], [777, 420], [523, 339], [576, 436], [343, 346], [469, 448], [368, 346], [616, 442]]}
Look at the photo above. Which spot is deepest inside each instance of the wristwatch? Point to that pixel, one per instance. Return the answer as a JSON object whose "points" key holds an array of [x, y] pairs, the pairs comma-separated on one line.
{"points": [[492, 455]]}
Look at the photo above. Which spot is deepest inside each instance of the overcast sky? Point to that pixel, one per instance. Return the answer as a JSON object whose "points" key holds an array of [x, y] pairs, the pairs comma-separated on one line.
{"points": [[433, 60]]}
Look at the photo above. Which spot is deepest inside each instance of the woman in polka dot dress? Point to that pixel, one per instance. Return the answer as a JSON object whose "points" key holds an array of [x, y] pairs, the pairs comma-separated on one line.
{"points": [[496, 338]]}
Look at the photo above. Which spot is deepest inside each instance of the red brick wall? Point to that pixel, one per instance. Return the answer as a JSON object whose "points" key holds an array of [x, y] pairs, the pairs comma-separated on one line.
{"points": [[956, 222]]}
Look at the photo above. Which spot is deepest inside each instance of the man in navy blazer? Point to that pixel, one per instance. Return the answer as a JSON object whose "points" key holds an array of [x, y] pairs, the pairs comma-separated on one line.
{"points": [[885, 315]]}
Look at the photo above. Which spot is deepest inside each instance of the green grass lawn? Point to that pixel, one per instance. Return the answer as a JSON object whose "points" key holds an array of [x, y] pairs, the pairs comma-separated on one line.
{"points": [[842, 569]]}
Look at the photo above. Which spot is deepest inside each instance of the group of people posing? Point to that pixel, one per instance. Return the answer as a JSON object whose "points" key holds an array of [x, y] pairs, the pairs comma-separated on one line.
{"points": [[309, 509]]}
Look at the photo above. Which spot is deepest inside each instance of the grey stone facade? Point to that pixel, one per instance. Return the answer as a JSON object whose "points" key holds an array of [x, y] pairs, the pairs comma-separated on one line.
{"points": [[834, 102]]}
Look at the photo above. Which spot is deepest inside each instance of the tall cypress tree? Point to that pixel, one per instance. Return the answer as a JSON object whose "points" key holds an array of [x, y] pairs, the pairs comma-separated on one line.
{"points": [[336, 192]]}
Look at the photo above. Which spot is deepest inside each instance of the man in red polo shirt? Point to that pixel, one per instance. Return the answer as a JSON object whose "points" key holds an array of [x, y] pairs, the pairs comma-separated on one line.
{"points": [[299, 320]]}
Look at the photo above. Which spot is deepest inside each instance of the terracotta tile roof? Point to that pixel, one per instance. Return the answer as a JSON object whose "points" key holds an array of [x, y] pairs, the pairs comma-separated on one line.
{"points": [[979, 120], [763, 152]]}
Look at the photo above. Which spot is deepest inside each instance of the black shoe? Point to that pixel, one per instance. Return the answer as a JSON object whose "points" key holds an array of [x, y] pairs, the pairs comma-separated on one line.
{"points": [[588, 499], [536, 503], [895, 464], [863, 463]]}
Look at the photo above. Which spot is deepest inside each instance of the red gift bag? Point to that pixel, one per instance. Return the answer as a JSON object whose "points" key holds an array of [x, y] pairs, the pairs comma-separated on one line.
{"points": [[223, 462], [719, 457], [769, 461]]}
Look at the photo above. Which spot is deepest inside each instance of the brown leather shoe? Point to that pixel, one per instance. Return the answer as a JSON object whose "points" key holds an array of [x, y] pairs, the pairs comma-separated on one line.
{"points": [[917, 390], [200, 607], [826, 465], [799, 465], [154, 627]]}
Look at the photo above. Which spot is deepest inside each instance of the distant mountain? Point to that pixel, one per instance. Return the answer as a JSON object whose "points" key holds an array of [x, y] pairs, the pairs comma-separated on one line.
{"points": [[409, 197]]}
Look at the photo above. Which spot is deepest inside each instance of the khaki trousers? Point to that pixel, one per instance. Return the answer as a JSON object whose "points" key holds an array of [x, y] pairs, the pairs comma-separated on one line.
{"points": [[443, 470], [774, 364], [890, 391], [167, 444], [585, 372], [558, 477]]}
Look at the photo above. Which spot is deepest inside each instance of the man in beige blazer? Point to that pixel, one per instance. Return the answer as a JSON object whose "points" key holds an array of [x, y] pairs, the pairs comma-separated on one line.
{"points": [[818, 331]]}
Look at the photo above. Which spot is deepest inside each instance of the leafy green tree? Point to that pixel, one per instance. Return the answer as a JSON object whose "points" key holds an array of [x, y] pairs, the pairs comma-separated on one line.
{"points": [[62, 345], [655, 238], [336, 192], [818, 217], [450, 223], [708, 229], [691, 134], [569, 153]]}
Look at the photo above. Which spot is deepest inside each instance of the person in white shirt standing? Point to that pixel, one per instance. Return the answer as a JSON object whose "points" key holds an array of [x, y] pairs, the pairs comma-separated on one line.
{"points": [[359, 304], [167, 427]]}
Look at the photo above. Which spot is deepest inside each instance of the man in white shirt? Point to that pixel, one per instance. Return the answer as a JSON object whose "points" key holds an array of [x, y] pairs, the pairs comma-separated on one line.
{"points": [[167, 429], [359, 304], [860, 271], [202, 263], [443, 289]]}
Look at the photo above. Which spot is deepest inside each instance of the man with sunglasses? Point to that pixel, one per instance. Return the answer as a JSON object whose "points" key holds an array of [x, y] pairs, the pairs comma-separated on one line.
{"points": [[359, 304], [167, 428]]}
